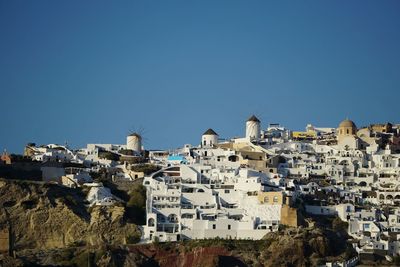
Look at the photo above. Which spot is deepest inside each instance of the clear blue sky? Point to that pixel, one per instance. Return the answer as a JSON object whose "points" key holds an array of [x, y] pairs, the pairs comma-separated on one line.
{"points": [[90, 71]]}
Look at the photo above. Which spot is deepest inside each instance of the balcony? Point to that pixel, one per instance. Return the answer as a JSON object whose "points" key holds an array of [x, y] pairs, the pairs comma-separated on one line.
{"points": [[168, 227]]}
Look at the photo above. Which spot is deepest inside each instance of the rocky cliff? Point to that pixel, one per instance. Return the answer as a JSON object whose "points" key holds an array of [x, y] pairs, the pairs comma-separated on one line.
{"points": [[45, 216]]}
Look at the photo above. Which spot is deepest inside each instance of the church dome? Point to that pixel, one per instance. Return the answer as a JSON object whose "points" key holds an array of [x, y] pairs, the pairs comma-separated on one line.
{"points": [[347, 123]]}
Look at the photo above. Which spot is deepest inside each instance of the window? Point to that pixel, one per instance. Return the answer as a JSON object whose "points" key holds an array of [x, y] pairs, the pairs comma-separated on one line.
{"points": [[229, 227], [173, 218], [214, 226], [275, 199], [151, 222], [266, 200], [204, 142]]}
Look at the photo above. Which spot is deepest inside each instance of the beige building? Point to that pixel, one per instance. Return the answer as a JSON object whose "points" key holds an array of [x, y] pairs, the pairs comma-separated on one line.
{"points": [[347, 135], [367, 138], [290, 216]]}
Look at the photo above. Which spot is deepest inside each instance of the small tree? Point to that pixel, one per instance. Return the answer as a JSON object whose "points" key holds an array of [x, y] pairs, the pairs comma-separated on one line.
{"points": [[136, 206], [132, 239], [109, 155], [127, 152], [339, 226], [396, 260], [156, 240], [147, 169]]}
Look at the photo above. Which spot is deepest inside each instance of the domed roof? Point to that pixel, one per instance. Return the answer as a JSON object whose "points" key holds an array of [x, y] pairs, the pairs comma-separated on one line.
{"points": [[253, 118], [347, 123], [210, 132]]}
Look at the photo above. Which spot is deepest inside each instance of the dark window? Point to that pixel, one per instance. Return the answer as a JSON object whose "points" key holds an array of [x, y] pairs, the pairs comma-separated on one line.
{"points": [[229, 227], [214, 226]]}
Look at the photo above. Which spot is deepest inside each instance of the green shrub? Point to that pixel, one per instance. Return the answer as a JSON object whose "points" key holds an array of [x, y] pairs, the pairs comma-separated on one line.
{"points": [[396, 260], [108, 155], [136, 206], [128, 152], [156, 240], [132, 239], [83, 259], [147, 169], [339, 226], [282, 227]]}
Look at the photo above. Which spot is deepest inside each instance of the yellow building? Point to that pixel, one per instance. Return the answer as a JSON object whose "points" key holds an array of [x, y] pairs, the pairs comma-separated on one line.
{"points": [[271, 198], [382, 128], [304, 135]]}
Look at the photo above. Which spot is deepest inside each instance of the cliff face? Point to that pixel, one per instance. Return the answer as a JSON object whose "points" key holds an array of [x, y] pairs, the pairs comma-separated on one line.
{"points": [[303, 247], [292, 247], [178, 255], [39, 216]]}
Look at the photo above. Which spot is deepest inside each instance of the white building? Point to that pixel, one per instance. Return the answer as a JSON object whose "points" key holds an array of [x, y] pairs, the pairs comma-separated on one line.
{"points": [[101, 196], [193, 201]]}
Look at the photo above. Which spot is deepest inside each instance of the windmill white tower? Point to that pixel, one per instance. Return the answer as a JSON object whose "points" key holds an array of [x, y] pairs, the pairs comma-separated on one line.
{"points": [[134, 142], [253, 128], [209, 138]]}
